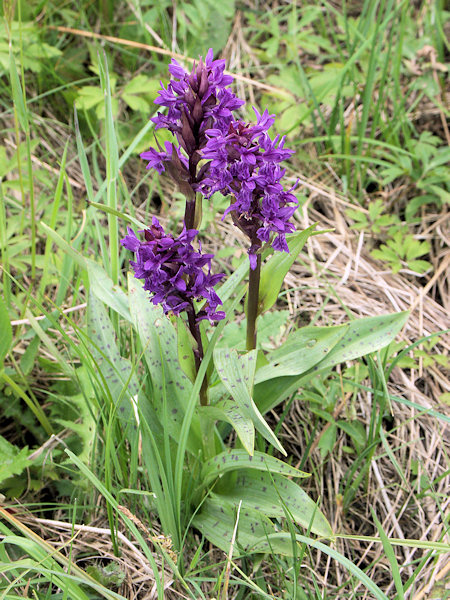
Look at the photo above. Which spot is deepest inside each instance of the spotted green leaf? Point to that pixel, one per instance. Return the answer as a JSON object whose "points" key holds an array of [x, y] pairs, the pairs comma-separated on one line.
{"points": [[364, 336], [303, 349], [231, 460], [324, 347], [227, 410], [104, 288], [116, 372], [171, 388], [272, 494], [217, 521], [237, 374]]}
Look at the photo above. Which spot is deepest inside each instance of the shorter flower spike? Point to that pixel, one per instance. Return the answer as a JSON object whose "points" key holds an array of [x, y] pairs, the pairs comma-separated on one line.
{"points": [[172, 271], [244, 162]]}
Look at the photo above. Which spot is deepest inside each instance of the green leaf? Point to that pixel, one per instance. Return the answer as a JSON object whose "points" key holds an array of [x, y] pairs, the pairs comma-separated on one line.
{"points": [[217, 521], [186, 343], [356, 430], [283, 541], [104, 289], [12, 460], [325, 347], [268, 394], [271, 326], [270, 494], [5, 331], [390, 555], [303, 349], [327, 440], [227, 410], [237, 374], [136, 102], [141, 84], [366, 335], [275, 269], [17, 94], [238, 459], [88, 97], [419, 266], [117, 371], [171, 387]]}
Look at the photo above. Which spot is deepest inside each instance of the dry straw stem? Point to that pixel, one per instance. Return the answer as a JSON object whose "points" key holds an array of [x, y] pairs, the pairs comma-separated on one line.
{"points": [[158, 50]]}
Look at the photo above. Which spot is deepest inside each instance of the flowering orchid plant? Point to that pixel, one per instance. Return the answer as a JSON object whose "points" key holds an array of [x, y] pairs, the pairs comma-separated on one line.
{"points": [[199, 385]]}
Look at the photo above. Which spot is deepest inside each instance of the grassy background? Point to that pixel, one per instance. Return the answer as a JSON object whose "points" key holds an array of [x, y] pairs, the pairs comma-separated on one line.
{"points": [[360, 92]]}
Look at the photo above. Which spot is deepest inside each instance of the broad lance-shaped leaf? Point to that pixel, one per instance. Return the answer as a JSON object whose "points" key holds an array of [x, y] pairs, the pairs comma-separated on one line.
{"points": [[365, 335], [171, 387], [272, 494], [217, 521], [303, 349], [115, 369], [237, 374], [270, 393], [104, 288], [270, 327], [116, 372], [324, 347], [228, 411], [276, 268], [239, 459]]}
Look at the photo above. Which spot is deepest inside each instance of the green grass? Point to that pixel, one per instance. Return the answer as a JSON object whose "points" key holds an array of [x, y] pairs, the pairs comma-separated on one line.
{"points": [[357, 100]]}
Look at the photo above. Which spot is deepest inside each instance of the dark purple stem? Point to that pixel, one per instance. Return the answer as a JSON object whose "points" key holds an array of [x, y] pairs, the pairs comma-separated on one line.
{"points": [[198, 351], [252, 303]]}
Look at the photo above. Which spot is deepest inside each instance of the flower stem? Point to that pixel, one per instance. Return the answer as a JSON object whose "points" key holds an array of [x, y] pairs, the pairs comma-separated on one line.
{"points": [[189, 213], [252, 303], [198, 352]]}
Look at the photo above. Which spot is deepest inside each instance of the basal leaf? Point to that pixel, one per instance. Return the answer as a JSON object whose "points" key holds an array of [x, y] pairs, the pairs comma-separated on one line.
{"points": [[270, 327], [275, 269], [268, 492], [104, 288], [231, 460], [237, 374], [227, 410], [365, 335], [171, 387], [217, 520], [324, 347], [304, 349], [116, 371]]}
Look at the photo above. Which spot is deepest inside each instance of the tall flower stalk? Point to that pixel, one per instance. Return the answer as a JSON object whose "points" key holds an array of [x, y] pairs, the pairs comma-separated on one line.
{"points": [[245, 163], [212, 151]]}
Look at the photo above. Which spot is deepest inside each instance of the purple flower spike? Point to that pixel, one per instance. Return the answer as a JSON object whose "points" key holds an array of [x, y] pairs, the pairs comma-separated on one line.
{"points": [[195, 102], [244, 162], [172, 271]]}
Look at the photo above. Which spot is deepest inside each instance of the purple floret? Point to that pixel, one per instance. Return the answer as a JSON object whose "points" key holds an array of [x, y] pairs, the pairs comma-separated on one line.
{"points": [[195, 102], [172, 271], [244, 162]]}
